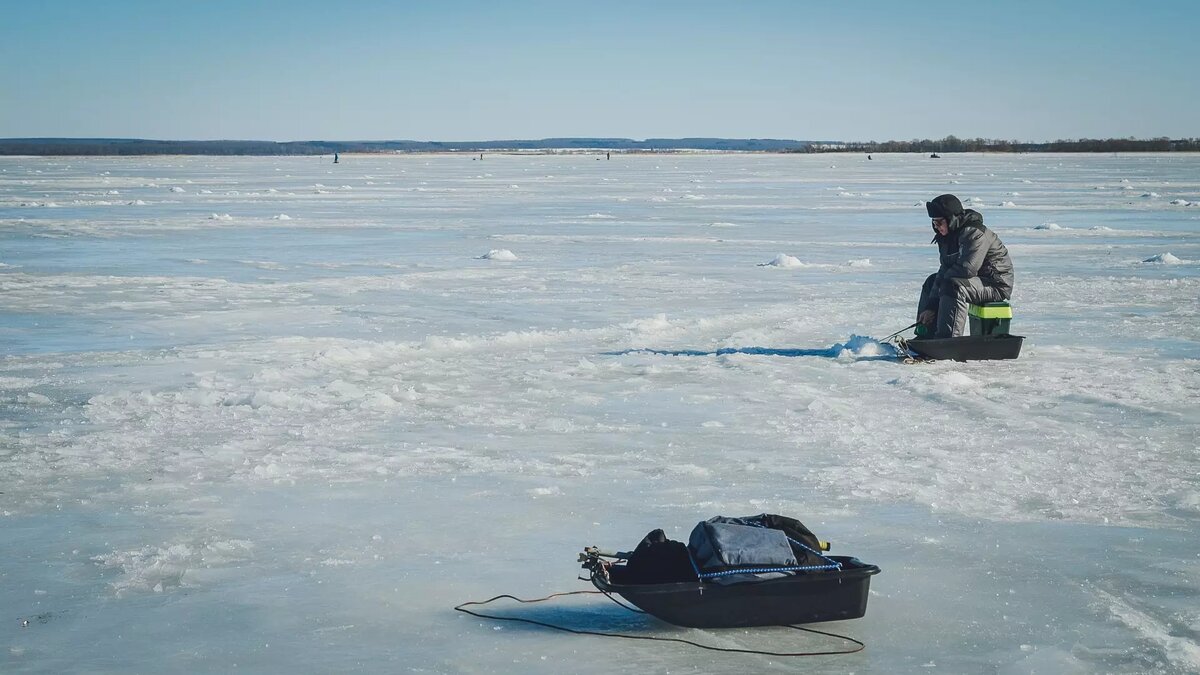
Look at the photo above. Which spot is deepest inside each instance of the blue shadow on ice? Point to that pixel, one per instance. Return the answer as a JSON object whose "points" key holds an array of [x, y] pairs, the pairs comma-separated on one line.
{"points": [[856, 348], [589, 617]]}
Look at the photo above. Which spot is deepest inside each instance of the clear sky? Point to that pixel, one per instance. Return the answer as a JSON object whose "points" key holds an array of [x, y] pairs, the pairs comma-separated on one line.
{"points": [[503, 69]]}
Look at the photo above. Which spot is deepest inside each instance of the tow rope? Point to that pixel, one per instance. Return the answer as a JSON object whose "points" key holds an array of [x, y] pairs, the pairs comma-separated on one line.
{"points": [[576, 631]]}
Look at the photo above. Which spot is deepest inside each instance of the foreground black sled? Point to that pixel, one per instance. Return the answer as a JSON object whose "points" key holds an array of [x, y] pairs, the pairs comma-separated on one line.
{"points": [[763, 570], [968, 347], [989, 338]]}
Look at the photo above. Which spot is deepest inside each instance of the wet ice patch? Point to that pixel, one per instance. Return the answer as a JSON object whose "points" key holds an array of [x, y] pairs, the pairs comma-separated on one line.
{"points": [[499, 254], [949, 384], [1048, 226], [957, 380], [34, 398], [689, 470], [1180, 650], [263, 264], [7, 382], [220, 216], [1180, 202], [650, 326], [550, 491], [157, 569]]}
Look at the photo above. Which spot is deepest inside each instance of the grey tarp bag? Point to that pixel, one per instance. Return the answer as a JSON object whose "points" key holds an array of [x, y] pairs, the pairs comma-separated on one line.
{"points": [[737, 550]]}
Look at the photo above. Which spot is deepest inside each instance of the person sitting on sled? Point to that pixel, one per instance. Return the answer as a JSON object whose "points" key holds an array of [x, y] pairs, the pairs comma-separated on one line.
{"points": [[975, 269]]}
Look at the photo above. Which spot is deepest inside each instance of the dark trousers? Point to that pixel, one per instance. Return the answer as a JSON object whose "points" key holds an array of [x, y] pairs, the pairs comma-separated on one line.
{"points": [[956, 295]]}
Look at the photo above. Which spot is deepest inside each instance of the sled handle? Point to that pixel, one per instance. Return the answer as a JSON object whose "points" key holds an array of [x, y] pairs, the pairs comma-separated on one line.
{"points": [[595, 552]]}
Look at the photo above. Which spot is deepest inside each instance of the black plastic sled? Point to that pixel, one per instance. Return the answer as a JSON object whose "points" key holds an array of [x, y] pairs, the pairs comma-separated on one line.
{"points": [[967, 348], [764, 570], [802, 598]]}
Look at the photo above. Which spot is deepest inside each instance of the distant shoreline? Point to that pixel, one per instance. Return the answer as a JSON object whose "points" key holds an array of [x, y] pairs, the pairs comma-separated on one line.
{"points": [[599, 154], [122, 147]]}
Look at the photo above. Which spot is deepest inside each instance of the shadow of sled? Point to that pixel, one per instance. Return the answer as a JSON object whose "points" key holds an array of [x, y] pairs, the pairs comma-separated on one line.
{"points": [[593, 617], [637, 626]]}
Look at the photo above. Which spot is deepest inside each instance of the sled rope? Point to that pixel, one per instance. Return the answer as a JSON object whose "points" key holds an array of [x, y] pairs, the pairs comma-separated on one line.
{"points": [[833, 564]]}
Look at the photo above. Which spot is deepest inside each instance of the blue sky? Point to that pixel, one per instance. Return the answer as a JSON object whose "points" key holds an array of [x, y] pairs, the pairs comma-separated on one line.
{"points": [[494, 70]]}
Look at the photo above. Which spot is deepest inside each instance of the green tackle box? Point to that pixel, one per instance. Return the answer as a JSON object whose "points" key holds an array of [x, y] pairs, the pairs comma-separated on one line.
{"points": [[991, 318]]}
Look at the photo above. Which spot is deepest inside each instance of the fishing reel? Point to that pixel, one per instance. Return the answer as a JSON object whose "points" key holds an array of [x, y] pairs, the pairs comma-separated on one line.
{"points": [[597, 562]]}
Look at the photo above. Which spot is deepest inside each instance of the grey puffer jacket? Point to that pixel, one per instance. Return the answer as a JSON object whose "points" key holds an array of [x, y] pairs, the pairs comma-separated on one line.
{"points": [[972, 250]]}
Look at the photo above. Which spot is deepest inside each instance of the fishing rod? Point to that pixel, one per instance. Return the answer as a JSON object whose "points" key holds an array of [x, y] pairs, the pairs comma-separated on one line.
{"points": [[912, 325]]}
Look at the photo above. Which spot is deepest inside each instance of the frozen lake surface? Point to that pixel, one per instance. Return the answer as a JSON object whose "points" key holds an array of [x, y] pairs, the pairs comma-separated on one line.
{"points": [[280, 415]]}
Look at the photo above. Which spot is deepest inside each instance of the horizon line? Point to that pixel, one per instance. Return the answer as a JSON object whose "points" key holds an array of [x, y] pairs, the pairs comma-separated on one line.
{"points": [[589, 138]]}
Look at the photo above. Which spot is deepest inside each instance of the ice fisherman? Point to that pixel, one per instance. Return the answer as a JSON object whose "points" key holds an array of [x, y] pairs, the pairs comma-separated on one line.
{"points": [[975, 268]]}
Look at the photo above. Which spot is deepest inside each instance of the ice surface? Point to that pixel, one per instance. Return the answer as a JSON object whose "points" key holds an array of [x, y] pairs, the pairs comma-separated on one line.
{"points": [[292, 445]]}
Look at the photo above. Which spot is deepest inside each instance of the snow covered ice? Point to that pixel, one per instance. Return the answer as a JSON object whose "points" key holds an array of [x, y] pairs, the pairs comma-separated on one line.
{"points": [[232, 439], [501, 254]]}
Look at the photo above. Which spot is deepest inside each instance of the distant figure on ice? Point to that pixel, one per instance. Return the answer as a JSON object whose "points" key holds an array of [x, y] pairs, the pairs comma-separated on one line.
{"points": [[975, 268], [335, 158], [608, 155]]}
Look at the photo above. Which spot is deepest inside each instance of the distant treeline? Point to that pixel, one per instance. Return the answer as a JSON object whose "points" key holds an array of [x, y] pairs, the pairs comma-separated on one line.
{"points": [[954, 144], [134, 146]]}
